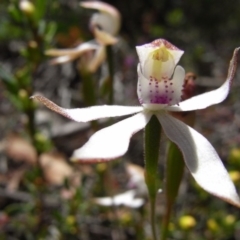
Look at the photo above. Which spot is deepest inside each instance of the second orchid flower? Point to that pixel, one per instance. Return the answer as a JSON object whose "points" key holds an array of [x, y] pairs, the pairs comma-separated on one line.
{"points": [[105, 25]]}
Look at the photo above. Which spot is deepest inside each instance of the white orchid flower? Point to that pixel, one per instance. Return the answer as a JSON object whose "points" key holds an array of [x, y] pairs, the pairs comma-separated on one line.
{"points": [[159, 90], [105, 25]]}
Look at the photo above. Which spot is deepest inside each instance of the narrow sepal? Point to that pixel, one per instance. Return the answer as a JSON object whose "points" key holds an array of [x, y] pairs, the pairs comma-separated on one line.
{"points": [[201, 159], [213, 97], [89, 113], [111, 142]]}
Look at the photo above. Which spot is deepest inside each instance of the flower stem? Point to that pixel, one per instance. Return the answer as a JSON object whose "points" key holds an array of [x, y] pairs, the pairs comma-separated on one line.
{"points": [[174, 173], [111, 73], [30, 112], [89, 93], [152, 144]]}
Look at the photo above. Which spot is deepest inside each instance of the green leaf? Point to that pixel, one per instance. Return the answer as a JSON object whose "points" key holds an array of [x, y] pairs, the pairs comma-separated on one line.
{"points": [[14, 99], [50, 32], [175, 169], [40, 6], [9, 80], [15, 13]]}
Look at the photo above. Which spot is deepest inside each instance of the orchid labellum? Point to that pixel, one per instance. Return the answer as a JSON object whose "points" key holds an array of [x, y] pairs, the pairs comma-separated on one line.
{"points": [[105, 25], [160, 85]]}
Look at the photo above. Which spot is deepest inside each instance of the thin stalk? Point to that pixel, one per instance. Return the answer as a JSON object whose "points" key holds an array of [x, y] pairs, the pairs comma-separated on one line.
{"points": [[111, 73], [110, 88], [152, 145], [166, 221], [153, 217], [139, 225], [89, 92], [31, 113], [31, 123]]}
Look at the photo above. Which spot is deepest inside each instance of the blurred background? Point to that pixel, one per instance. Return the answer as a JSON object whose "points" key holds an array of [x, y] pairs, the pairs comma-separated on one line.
{"points": [[45, 196]]}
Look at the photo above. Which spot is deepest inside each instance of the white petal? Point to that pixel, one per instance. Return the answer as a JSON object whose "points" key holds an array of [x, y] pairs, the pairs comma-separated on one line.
{"points": [[68, 55], [201, 159], [163, 93], [105, 22], [143, 51], [63, 59], [108, 19], [84, 47], [126, 199], [103, 37], [89, 113], [111, 142], [100, 6], [213, 97]]}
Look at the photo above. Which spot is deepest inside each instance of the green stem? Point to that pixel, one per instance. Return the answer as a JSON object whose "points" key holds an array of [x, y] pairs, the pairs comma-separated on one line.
{"points": [[152, 144], [174, 173], [166, 221], [31, 123], [31, 113], [89, 92], [111, 73]]}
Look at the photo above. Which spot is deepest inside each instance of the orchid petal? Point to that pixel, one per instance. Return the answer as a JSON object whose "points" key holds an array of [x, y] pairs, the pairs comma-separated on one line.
{"points": [[108, 18], [126, 199], [80, 49], [89, 113], [201, 159], [63, 59], [161, 93], [213, 97], [105, 22], [165, 51], [100, 6], [103, 37], [111, 142], [68, 55]]}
